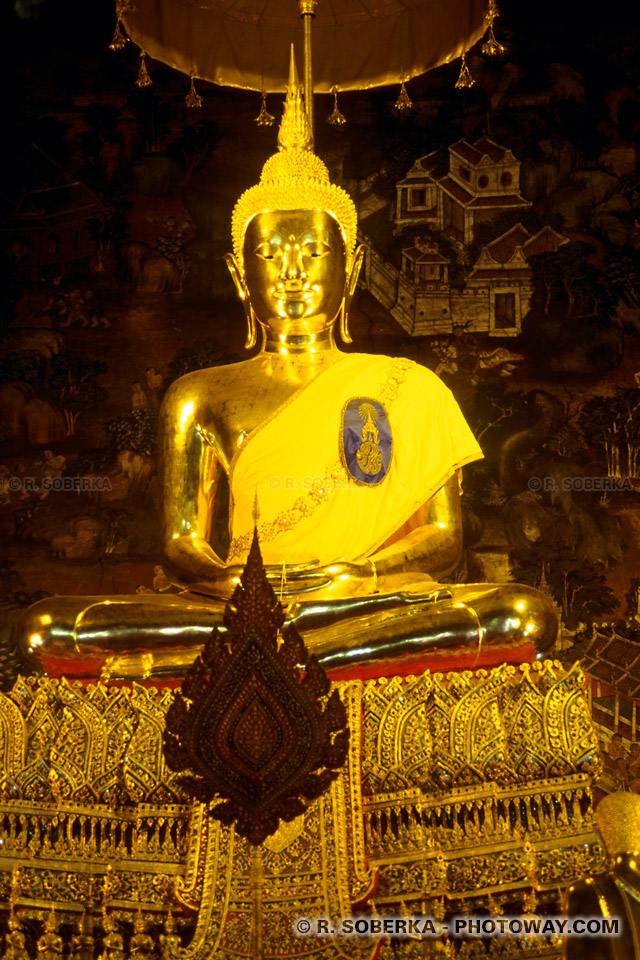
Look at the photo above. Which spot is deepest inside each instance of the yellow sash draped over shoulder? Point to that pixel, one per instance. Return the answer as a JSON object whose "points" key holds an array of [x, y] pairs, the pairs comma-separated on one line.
{"points": [[310, 507]]}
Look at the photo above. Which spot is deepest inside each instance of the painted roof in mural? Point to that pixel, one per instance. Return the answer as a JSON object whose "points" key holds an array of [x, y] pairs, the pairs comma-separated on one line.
{"points": [[423, 256], [453, 188], [615, 661], [484, 147]]}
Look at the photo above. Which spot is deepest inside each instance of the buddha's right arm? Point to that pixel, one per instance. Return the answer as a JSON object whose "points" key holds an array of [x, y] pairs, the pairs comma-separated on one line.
{"points": [[191, 464]]}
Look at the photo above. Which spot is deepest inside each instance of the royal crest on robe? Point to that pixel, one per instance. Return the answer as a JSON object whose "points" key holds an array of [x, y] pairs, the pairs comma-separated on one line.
{"points": [[365, 441]]}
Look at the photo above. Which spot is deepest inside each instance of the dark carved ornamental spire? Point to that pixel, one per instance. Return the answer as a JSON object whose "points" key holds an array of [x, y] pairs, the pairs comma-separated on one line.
{"points": [[249, 727]]}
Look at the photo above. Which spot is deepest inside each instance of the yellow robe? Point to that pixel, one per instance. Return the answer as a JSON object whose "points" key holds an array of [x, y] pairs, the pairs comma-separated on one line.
{"points": [[310, 507]]}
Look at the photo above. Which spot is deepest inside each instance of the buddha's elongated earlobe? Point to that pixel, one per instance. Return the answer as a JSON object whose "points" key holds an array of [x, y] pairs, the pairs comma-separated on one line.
{"points": [[352, 281], [243, 293]]}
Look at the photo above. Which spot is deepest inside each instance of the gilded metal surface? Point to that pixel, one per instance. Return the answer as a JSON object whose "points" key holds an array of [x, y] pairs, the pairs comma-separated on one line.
{"points": [[462, 793], [612, 894], [248, 727], [617, 892]]}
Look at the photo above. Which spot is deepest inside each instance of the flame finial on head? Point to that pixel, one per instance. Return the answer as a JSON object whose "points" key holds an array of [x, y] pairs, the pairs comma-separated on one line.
{"points": [[294, 133], [294, 178]]}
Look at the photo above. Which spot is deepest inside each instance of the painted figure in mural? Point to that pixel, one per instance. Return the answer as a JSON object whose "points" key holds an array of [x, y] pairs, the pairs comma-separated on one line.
{"points": [[613, 894], [354, 461]]}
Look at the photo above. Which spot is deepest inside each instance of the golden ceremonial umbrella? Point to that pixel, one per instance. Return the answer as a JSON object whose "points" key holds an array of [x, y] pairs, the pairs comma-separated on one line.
{"points": [[356, 43]]}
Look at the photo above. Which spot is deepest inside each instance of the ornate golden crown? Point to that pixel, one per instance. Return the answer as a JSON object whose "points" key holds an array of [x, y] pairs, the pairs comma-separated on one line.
{"points": [[294, 178]]}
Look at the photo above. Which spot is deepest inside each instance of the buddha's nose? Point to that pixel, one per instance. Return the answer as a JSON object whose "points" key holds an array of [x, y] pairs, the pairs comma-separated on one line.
{"points": [[293, 272]]}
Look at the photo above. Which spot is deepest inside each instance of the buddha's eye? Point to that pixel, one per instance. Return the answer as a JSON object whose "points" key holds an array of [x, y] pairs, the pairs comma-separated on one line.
{"points": [[316, 250], [266, 251]]}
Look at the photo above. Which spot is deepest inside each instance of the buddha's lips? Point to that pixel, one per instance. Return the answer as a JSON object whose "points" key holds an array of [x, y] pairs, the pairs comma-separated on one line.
{"points": [[294, 296]]}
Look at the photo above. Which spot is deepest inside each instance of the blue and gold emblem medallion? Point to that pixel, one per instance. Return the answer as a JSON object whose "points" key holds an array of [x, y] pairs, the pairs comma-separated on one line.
{"points": [[365, 441]]}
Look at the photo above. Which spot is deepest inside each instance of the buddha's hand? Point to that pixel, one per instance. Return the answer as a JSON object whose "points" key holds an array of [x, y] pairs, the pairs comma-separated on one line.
{"points": [[280, 576], [330, 581]]}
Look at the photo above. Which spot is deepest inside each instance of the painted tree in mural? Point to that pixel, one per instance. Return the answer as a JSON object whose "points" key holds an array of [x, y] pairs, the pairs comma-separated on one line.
{"points": [[193, 146], [137, 431], [623, 274], [573, 312], [72, 386], [99, 142], [108, 227], [569, 278], [154, 116], [613, 423], [579, 588], [114, 526], [493, 403], [23, 366]]}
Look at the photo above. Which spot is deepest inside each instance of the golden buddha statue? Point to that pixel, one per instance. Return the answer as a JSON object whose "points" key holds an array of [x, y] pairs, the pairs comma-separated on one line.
{"points": [[353, 459]]}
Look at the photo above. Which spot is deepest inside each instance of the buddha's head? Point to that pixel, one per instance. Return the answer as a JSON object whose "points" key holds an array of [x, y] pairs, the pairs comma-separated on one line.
{"points": [[295, 263]]}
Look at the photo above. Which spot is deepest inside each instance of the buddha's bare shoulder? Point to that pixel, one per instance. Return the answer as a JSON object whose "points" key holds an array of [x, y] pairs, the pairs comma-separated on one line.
{"points": [[211, 384]]}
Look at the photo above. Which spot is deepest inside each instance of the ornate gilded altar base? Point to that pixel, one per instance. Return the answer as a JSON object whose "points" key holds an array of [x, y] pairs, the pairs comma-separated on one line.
{"points": [[468, 793]]}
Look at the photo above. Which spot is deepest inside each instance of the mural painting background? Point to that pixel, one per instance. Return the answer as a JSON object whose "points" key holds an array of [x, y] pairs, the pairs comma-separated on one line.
{"points": [[503, 224]]}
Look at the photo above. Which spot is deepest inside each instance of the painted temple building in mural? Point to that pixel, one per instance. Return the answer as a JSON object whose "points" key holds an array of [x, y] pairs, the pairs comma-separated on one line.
{"points": [[483, 183]]}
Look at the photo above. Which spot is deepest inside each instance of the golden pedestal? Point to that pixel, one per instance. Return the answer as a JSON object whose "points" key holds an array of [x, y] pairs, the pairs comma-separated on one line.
{"points": [[465, 793]]}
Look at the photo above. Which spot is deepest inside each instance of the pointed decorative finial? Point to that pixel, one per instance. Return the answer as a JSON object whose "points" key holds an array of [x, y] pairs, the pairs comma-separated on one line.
{"points": [[337, 119], [192, 99], [264, 118], [294, 129], [465, 80], [294, 178], [256, 510], [276, 738]]}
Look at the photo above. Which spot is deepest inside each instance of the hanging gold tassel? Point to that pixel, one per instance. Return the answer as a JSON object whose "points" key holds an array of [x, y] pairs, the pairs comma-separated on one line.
{"points": [[491, 13], [144, 80], [465, 79], [403, 103], [337, 119], [264, 118], [491, 47], [118, 41], [192, 99]]}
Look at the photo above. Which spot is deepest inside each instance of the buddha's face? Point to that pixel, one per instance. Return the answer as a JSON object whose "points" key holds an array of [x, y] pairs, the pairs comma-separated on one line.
{"points": [[295, 270]]}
